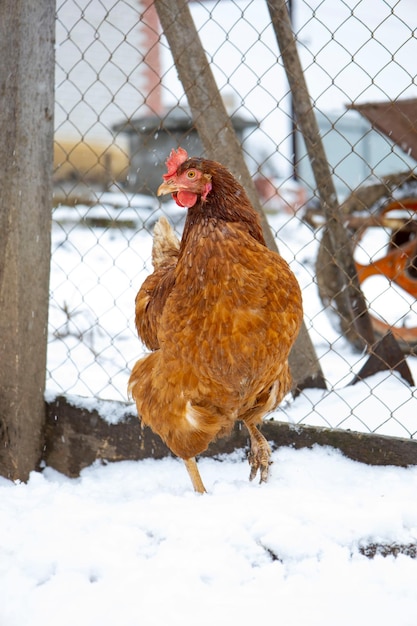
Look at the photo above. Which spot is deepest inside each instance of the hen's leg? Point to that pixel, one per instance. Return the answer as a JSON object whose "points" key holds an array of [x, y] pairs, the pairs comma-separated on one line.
{"points": [[259, 454], [192, 469]]}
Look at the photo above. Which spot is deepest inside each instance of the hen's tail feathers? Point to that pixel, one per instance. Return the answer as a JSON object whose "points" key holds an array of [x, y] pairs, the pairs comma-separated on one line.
{"points": [[165, 243]]}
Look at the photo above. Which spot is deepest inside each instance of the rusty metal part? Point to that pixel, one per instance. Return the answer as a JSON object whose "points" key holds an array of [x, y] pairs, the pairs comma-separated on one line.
{"points": [[396, 119], [399, 264]]}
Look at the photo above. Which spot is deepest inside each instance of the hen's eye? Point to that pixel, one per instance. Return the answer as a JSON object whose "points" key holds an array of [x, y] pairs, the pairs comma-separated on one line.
{"points": [[191, 174]]}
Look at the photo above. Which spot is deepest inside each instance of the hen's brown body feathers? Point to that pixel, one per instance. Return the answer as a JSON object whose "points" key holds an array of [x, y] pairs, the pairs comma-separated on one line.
{"points": [[221, 312]]}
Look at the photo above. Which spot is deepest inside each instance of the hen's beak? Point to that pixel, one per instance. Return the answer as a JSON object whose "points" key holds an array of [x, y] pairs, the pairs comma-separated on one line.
{"points": [[167, 187]]}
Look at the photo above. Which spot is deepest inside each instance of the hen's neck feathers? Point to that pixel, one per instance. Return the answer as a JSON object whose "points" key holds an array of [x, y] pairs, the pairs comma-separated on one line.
{"points": [[226, 202]]}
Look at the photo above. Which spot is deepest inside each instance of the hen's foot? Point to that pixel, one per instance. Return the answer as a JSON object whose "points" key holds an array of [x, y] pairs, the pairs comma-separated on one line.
{"points": [[259, 455]]}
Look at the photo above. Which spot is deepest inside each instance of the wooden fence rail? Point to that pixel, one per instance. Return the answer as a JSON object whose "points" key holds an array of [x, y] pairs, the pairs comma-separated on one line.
{"points": [[76, 436]]}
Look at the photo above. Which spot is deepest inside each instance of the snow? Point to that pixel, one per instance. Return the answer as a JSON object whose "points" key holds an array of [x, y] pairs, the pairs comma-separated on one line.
{"points": [[130, 543], [112, 412]]}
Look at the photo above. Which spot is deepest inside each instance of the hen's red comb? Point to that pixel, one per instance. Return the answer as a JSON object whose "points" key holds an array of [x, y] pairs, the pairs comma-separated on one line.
{"points": [[175, 159]]}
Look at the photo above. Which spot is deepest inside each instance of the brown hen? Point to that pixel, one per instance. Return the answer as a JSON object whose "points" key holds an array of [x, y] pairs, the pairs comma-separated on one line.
{"points": [[220, 313]]}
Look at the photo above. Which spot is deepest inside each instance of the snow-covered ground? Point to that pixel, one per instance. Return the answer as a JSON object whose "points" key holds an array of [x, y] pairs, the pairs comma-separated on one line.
{"points": [[131, 544]]}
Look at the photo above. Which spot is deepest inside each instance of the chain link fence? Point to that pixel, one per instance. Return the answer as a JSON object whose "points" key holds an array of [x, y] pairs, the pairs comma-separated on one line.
{"points": [[120, 109]]}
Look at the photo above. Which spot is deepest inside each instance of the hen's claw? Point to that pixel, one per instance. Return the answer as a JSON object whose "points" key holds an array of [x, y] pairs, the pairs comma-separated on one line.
{"points": [[259, 455], [260, 462]]}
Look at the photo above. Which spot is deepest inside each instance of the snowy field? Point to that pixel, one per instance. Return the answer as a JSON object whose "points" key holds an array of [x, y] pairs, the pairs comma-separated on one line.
{"points": [[130, 543]]}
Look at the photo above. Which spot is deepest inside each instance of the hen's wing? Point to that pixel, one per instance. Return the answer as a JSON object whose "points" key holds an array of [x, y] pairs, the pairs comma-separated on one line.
{"points": [[152, 295]]}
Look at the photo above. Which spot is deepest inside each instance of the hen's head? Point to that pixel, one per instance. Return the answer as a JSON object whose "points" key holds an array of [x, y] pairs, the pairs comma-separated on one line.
{"points": [[208, 187], [185, 179]]}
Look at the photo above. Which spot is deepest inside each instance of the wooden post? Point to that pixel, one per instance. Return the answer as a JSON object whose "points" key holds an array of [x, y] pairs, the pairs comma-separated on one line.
{"points": [[385, 354], [306, 120], [27, 34], [221, 144]]}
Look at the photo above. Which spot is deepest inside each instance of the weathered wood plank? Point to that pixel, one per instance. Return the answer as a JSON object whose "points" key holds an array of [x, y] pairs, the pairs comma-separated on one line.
{"points": [[27, 34], [76, 437]]}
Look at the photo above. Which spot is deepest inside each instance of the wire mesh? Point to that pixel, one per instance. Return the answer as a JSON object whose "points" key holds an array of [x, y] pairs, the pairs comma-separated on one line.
{"points": [[119, 110]]}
